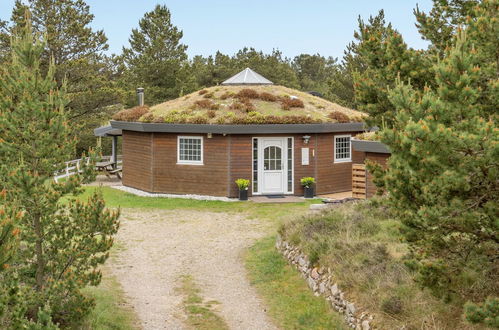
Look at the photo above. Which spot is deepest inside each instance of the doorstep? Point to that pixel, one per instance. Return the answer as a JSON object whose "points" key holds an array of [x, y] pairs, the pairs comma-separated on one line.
{"points": [[284, 199]]}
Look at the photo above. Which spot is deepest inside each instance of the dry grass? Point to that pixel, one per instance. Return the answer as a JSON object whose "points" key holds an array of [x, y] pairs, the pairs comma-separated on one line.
{"points": [[238, 104], [132, 114], [244, 104], [248, 93], [340, 117], [288, 103], [206, 104], [211, 114], [362, 246], [264, 96]]}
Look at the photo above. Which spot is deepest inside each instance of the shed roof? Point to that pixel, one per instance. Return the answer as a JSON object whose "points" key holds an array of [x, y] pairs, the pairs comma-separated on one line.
{"points": [[247, 77], [107, 130]]}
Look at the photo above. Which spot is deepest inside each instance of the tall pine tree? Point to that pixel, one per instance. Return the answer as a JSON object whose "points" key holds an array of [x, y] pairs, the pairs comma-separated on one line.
{"points": [[156, 59], [441, 23], [376, 60], [78, 53], [63, 240], [443, 174]]}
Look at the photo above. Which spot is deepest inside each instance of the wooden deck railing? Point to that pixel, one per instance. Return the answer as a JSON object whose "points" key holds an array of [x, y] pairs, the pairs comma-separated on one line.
{"points": [[74, 166]]}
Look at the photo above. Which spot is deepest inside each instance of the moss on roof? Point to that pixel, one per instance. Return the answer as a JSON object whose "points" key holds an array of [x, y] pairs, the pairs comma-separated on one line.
{"points": [[368, 136], [259, 104]]}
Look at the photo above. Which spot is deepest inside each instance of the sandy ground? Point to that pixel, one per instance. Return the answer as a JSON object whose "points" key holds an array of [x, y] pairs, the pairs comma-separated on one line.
{"points": [[157, 247]]}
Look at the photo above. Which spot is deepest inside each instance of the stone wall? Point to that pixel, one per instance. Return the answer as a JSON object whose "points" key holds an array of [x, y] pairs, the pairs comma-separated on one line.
{"points": [[320, 281]]}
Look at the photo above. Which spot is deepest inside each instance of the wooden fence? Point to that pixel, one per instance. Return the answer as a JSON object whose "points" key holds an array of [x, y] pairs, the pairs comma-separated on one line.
{"points": [[73, 167], [359, 181]]}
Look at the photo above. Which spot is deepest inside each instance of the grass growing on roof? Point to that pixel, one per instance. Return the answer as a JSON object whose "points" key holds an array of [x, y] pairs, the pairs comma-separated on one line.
{"points": [[274, 104], [291, 303]]}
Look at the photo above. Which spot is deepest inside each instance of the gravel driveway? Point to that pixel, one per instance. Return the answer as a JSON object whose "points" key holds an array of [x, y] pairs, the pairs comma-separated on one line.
{"points": [[157, 247]]}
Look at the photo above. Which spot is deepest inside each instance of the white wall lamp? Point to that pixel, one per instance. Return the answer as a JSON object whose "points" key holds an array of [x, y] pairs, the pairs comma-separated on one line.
{"points": [[306, 139], [210, 135]]}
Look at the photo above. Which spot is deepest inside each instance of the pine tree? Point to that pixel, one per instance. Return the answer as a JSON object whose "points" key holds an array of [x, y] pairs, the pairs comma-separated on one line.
{"points": [[78, 53], [379, 57], [64, 240], [156, 59], [441, 23], [443, 175]]}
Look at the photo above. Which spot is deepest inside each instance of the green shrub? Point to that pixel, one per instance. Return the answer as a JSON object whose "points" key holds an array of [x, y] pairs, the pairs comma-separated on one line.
{"points": [[486, 313], [242, 184], [307, 182]]}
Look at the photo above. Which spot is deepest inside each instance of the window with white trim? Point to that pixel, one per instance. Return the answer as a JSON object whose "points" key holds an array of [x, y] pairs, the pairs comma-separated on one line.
{"points": [[342, 149], [190, 150]]}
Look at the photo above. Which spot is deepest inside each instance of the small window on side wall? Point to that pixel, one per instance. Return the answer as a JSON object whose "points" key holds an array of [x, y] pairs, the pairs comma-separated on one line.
{"points": [[190, 150], [342, 149]]}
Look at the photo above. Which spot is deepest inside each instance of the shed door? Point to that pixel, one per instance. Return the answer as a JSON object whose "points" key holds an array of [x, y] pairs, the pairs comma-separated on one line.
{"points": [[272, 160]]}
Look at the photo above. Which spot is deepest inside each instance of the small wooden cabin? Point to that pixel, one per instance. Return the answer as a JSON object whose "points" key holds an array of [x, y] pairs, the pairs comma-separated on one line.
{"points": [[245, 128]]}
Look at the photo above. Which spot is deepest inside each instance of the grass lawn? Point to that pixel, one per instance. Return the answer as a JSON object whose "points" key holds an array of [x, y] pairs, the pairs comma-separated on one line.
{"points": [[292, 305], [265, 211], [110, 311]]}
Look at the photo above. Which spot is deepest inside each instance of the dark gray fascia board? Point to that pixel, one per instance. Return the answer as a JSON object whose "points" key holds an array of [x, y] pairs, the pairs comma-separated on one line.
{"points": [[238, 129], [370, 146], [107, 131]]}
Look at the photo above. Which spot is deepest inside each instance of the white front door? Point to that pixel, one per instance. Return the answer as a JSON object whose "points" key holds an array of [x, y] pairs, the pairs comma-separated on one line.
{"points": [[272, 162]]}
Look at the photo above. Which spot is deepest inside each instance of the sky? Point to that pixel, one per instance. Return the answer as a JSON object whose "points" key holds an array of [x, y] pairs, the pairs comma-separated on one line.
{"points": [[294, 27]]}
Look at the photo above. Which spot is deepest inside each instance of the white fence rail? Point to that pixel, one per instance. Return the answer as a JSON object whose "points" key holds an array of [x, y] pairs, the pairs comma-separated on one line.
{"points": [[73, 167]]}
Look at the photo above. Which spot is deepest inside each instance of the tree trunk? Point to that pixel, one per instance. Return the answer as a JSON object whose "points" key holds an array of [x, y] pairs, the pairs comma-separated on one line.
{"points": [[40, 263]]}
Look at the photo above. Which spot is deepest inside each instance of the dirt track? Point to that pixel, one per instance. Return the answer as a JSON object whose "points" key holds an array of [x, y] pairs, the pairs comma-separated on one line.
{"points": [[159, 246]]}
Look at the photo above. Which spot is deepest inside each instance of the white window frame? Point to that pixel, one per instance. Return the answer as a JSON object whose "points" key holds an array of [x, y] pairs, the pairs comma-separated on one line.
{"points": [[190, 162], [343, 160]]}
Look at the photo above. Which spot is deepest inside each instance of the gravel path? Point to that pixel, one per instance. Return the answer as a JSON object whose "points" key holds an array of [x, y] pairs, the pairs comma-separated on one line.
{"points": [[159, 246]]}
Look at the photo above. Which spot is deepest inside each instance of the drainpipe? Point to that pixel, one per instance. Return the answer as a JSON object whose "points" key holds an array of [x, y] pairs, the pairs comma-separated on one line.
{"points": [[115, 152], [140, 96]]}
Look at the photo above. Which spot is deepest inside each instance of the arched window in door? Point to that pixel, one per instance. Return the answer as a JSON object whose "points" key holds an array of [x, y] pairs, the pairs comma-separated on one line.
{"points": [[272, 158]]}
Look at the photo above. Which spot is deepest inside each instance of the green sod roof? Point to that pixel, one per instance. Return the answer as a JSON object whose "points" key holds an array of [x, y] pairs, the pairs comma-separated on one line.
{"points": [[240, 104]]}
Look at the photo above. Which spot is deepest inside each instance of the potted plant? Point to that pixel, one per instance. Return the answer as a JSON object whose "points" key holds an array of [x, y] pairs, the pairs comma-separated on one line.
{"points": [[243, 185], [308, 186]]}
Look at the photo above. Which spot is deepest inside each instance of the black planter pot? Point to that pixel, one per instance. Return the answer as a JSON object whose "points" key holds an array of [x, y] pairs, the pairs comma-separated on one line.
{"points": [[243, 195], [309, 192]]}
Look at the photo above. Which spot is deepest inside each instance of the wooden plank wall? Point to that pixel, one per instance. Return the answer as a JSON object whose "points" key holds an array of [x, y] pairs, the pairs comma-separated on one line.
{"points": [[241, 156], [333, 177], [207, 179], [150, 164], [137, 157]]}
